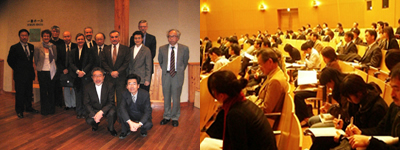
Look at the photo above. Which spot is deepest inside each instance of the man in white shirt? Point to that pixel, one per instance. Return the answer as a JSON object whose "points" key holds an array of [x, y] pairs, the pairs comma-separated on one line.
{"points": [[312, 59], [218, 58], [99, 101]]}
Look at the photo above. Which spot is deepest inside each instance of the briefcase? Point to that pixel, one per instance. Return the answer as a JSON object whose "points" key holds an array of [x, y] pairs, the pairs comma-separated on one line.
{"points": [[66, 80]]}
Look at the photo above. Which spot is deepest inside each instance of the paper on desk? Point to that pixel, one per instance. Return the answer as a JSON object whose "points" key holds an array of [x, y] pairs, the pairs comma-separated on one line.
{"points": [[294, 65], [211, 144], [388, 139], [324, 132], [307, 77]]}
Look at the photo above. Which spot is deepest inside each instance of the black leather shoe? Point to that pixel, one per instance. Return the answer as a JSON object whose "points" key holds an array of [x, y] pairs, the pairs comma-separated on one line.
{"points": [[32, 110], [164, 121], [113, 132], [20, 115], [94, 129], [143, 134], [123, 135], [79, 116], [175, 123], [66, 108]]}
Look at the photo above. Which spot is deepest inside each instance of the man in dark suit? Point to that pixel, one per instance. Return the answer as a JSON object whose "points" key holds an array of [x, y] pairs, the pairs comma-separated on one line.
{"points": [[88, 32], [99, 101], [134, 110], [348, 48], [80, 63], [63, 67], [173, 59], [55, 33], [140, 62], [149, 41], [373, 54], [98, 50], [20, 60], [115, 60]]}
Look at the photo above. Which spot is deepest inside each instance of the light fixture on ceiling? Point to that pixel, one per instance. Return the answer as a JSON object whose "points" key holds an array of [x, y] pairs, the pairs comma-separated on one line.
{"points": [[263, 7], [315, 3], [205, 9]]}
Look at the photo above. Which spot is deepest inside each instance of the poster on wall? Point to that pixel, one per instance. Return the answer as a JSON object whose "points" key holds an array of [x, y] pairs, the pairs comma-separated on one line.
{"points": [[34, 35]]}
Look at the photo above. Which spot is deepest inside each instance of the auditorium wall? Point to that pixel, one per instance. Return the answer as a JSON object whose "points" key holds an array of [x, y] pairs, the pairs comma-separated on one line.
{"points": [[236, 16]]}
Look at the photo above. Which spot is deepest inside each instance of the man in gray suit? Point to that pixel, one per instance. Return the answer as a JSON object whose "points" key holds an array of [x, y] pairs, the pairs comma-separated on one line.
{"points": [[140, 63], [173, 59]]}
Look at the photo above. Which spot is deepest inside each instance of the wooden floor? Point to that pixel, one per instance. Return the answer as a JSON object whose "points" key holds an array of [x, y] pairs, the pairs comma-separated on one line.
{"points": [[63, 131]]}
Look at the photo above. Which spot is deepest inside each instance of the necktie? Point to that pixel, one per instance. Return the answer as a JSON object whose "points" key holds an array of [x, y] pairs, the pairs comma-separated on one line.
{"points": [[172, 63], [114, 57], [144, 39], [26, 51], [134, 99], [91, 45], [66, 61], [99, 51]]}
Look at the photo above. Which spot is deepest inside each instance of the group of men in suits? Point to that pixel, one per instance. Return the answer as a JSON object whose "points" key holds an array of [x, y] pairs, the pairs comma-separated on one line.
{"points": [[118, 69]]}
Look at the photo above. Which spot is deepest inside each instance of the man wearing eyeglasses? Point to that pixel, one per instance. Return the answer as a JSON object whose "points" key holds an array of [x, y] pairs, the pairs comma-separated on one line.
{"points": [[173, 59], [149, 41]]}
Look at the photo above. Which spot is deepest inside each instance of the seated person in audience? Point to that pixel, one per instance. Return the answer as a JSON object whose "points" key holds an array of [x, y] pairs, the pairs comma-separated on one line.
{"points": [[330, 58], [301, 35], [397, 34], [372, 55], [329, 35], [341, 31], [217, 57], [257, 47], [244, 126], [349, 49], [135, 110], [331, 79], [99, 101], [337, 27], [357, 40], [225, 49], [388, 126], [373, 26], [379, 32], [355, 27], [365, 106], [293, 53], [206, 67], [311, 59], [273, 41], [234, 51], [388, 39], [251, 47], [273, 89], [317, 43]]}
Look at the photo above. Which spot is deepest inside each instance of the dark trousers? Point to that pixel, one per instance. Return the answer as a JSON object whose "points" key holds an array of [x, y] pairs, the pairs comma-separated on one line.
{"points": [[147, 88], [111, 116], [58, 93], [23, 95], [46, 92], [79, 88], [300, 104], [119, 85], [125, 126]]}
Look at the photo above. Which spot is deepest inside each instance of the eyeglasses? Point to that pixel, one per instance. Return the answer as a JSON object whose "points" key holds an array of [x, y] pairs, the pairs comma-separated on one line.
{"points": [[171, 36]]}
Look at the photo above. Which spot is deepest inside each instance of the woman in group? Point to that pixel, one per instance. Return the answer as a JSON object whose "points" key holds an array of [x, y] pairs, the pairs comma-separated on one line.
{"points": [[294, 53], [245, 126], [330, 57], [81, 66], [45, 56], [389, 41]]}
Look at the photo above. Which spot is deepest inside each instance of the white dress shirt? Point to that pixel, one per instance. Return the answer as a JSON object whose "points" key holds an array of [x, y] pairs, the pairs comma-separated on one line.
{"points": [[136, 50], [98, 90], [169, 55]]}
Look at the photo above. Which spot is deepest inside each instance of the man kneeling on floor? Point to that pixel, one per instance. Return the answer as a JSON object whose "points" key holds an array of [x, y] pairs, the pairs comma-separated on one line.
{"points": [[134, 110], [99, 101]]}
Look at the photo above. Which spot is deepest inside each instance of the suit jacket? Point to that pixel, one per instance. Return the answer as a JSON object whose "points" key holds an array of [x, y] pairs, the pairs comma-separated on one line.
{"points": [[97, 56], [86, 61], [392, 44], [141, 65], [19, 62], [93, 42], [142, 103], [91, 99], [272, 92], [39, 56], [372, 56], [62, 59], [151, 43], [318, 46], [350, 48], [181, 61], [358, 41], [121, 63]]}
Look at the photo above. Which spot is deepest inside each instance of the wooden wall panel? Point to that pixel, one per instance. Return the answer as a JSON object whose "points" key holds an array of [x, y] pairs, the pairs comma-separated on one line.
{"points": [[194, 80], [156, 84], [1, 75]]}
